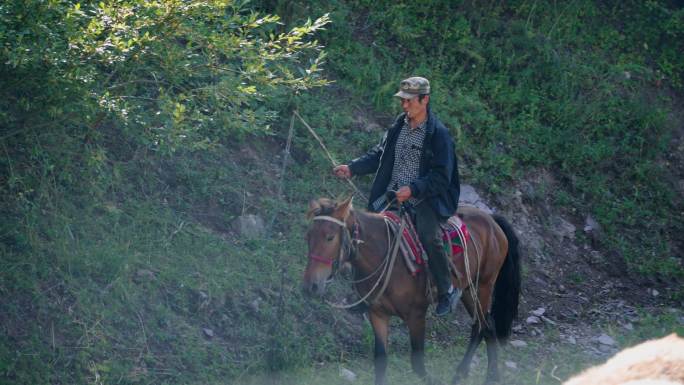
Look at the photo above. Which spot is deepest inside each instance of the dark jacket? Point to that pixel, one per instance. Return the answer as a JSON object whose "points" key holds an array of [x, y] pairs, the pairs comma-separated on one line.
{"points": [[438, 180]]}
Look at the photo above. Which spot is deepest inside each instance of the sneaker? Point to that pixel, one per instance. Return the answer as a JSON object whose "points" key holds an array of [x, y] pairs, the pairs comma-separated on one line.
{"points": [[446, 301]]}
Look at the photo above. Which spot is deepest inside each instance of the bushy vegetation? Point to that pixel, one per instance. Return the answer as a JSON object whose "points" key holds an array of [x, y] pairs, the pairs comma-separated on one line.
{"points": [[134, 132], [119, 119]]}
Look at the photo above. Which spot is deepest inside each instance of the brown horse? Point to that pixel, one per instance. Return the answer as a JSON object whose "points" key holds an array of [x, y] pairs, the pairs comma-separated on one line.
{"points": [[340, 234]]}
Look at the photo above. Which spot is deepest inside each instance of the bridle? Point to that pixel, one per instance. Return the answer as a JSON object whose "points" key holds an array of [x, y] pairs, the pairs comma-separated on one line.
{"points": [[347, 247]]}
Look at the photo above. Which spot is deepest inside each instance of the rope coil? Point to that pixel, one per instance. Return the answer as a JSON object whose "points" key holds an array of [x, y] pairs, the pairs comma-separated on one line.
{"points": [[386, 266]]}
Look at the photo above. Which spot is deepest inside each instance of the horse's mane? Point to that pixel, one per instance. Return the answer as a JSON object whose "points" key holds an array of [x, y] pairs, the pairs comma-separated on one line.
{"points": [[326, 206], [321, 206]]}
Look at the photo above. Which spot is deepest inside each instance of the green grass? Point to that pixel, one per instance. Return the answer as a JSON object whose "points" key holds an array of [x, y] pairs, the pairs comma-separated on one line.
{"points": [[543, 361]]}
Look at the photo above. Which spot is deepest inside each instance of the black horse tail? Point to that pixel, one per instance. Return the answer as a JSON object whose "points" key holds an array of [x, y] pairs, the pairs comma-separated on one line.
{"points": [[507, 287]]}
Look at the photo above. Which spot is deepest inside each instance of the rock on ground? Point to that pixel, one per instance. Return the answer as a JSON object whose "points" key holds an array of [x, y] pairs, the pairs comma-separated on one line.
{"points": [[470, 197]]}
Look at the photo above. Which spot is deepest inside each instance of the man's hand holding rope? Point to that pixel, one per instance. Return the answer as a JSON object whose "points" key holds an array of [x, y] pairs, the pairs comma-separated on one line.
{"points": [[403, 194], [342, 171]]}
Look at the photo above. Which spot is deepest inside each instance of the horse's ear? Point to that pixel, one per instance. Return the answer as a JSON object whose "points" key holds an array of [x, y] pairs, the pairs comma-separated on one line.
{"points": [[343, 208], [314, 209]]}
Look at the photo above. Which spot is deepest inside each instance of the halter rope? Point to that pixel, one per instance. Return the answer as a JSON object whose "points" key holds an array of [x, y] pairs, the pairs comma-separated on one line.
{"points": [[386, 266]]}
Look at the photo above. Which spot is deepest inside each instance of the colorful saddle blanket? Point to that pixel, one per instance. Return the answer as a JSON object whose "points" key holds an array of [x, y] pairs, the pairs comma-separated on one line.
{"points": [[450, 235], [412, 250]]}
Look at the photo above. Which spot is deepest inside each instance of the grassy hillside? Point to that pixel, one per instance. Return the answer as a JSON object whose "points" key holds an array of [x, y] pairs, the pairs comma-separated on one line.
{"points": [[574, 88], [134, 133]]}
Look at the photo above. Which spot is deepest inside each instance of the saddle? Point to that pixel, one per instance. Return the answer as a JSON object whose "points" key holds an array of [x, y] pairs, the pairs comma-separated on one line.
{"points": [[454, 234]]}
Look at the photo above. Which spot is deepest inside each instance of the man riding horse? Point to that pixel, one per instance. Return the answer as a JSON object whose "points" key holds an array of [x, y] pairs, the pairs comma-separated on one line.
{"points": [[416, 159]]}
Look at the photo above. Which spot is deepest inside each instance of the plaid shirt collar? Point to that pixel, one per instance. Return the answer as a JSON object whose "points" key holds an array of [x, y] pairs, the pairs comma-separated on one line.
{"points": [[421, 126]]}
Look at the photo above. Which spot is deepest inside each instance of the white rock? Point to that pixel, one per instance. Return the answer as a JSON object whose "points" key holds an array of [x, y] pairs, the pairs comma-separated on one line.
{"points": [[255, 304], [655, 292], [476, 361], [511, 364], [539, 312], [518, 343], [532, 320], [605, 339], [572, 340], [562, 228], [249, 226], [590, 224], [628, 326], [548, 320], [208, 332], [470, 197], [347, 374]]}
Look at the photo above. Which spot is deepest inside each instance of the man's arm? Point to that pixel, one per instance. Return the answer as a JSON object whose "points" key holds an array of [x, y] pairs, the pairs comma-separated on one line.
{"points": [[365, 164]]}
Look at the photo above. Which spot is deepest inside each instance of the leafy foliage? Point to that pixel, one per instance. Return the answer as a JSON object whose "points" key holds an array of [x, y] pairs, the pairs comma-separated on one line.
{"points": [[171, 73], [103, 105]]}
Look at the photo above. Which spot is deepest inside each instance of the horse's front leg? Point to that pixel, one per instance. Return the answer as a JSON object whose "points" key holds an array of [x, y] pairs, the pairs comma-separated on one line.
{"points": [[416, 326], [380, 323]]}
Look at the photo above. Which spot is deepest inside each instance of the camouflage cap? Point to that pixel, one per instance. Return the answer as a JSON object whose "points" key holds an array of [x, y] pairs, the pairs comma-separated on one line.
{"points": [[412, 87]]}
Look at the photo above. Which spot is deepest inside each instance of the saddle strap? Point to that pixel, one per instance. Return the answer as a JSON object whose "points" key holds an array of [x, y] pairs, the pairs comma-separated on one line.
{"points": [[411, 248]]}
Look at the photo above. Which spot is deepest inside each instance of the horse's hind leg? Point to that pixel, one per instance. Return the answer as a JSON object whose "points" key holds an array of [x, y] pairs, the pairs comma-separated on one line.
{"points": [[477, 333], [464, 367], [483, 327], [380, 323], [489, 333], [476, 336]]}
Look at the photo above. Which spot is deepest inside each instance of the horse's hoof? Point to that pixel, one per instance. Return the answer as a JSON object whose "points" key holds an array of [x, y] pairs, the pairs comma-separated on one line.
{"points": [[492, 379]]}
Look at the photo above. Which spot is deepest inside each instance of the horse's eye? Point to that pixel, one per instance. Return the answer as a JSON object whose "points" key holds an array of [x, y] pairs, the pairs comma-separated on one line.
{"points": [[330, 237]]}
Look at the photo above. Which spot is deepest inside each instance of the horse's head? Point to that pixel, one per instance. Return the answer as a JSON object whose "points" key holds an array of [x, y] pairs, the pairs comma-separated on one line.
{"points": [[328, 241]]}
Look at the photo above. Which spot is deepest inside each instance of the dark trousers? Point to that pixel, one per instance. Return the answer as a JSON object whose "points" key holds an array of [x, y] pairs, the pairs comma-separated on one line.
{"points": [[427, 226]]}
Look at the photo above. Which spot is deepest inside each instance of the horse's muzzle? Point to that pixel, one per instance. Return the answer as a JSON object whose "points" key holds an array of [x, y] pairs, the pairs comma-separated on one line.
{"points": [[316, 277], [314, 287]]}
